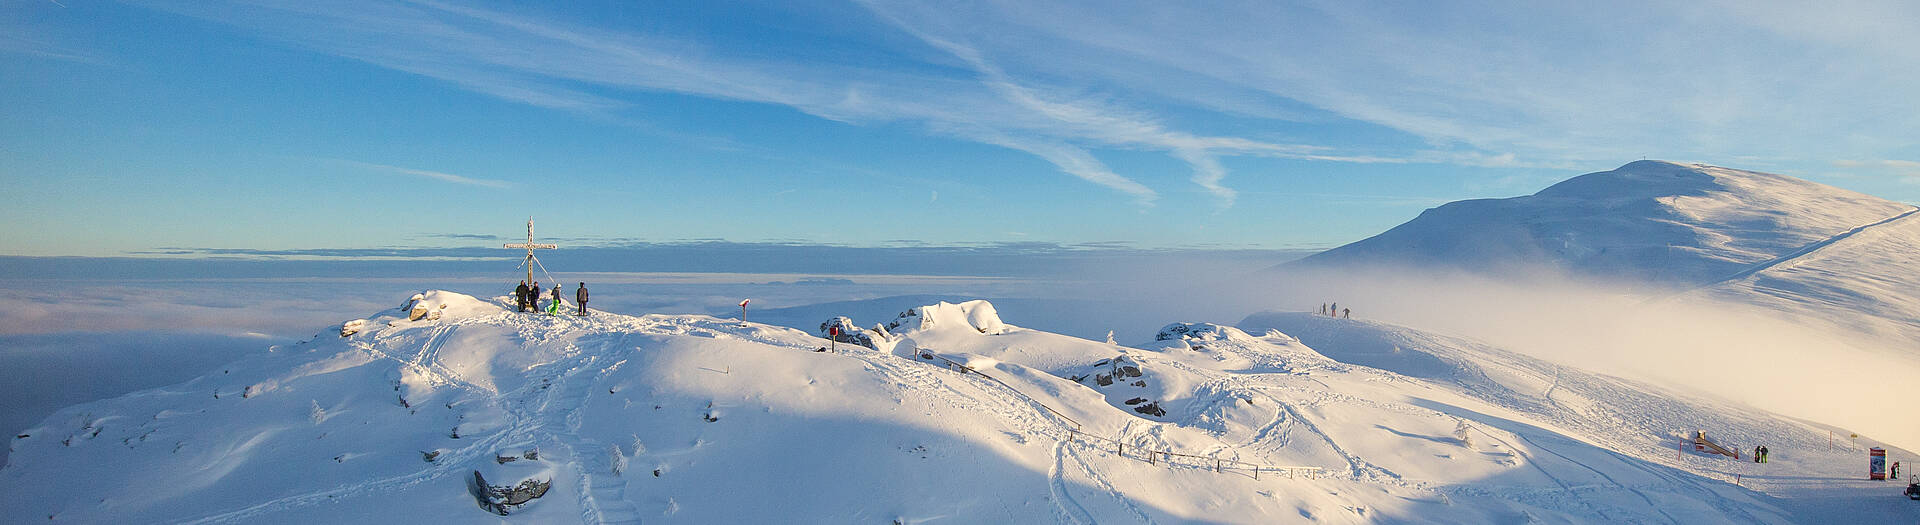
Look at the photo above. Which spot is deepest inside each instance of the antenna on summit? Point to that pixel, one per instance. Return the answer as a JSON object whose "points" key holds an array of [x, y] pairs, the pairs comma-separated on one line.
{"points": [[530, 246]]}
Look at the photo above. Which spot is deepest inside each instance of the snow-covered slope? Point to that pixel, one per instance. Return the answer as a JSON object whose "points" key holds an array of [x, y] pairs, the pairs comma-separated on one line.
{"points": [[1866, 280], [953, 415], [1816, 474], [1830, 259], [1688, 224]]}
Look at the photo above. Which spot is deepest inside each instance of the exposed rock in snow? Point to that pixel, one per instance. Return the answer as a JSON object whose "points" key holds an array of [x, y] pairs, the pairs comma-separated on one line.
{"points": [[842, 329], [513, 485]]}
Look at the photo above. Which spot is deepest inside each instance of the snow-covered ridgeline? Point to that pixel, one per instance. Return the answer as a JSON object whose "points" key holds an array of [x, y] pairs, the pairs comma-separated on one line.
{"points": [[707, 419]]}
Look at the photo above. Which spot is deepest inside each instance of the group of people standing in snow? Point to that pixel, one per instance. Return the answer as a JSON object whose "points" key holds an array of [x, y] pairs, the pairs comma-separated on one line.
{"points": [[528, 297], [1335, 311], [1760, 454]]}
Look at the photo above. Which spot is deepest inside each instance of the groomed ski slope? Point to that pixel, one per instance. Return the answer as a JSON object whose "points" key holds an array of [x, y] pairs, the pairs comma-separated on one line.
{"points": [[700, 419]]}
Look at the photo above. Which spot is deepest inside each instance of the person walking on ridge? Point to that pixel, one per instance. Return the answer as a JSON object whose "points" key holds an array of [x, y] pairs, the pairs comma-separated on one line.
{"points": [[1347, 313], [580, 296], [553, 308]]}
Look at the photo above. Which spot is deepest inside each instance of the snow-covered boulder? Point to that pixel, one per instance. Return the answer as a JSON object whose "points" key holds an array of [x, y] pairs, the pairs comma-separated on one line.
{"points": [[1199, 332], [976, 315]]}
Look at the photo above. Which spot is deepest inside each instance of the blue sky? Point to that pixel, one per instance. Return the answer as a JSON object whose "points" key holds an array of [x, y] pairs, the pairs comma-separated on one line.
{"points": [[133, 127]]}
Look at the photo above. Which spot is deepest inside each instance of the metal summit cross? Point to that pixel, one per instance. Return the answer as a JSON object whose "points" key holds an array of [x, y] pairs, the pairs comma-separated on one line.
{"points": [[530, 246]]}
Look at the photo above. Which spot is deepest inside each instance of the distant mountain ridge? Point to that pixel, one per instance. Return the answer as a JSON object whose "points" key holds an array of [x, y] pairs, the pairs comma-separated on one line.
{"points": [[1680, 224]]}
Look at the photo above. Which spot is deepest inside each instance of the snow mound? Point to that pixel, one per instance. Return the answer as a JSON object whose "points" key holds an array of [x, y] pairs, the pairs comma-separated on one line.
{"points": [[428, 306], [976, 315], [1205, 332]]}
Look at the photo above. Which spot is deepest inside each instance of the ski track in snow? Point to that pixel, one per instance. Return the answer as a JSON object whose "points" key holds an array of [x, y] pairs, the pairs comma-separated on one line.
{"points": [[1357, 468], [440, 468], [1362, 470], [602, 493], [1101, 481], [1057, 486], [555, 420]]}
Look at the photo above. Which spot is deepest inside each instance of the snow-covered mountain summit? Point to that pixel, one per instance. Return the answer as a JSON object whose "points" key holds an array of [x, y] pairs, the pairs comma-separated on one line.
{"points": [[1686, 224], [423, 412]]}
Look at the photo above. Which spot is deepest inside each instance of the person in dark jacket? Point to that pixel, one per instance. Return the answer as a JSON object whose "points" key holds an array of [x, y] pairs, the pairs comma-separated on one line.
{"points": [[520, 296], [580, 296], [554, 307], [533, 296]]}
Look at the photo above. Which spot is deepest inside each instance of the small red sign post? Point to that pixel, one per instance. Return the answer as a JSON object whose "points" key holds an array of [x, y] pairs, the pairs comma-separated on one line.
{"points": [[833, 338], [743, 310]]}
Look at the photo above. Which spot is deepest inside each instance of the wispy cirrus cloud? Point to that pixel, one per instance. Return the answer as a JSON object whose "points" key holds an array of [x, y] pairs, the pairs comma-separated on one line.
{"points": [[569, 66], [1578, 82], [430, 174], [1539, 85]]}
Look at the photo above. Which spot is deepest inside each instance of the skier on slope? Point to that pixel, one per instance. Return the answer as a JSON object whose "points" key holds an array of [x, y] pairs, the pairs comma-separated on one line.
{"points": [[520, 296], [1334, 310], [580, 296], [1347, 313]]}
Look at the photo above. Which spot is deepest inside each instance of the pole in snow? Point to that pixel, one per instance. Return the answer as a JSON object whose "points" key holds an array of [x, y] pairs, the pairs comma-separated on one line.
{"points": [[743, 310], [833, 338]]}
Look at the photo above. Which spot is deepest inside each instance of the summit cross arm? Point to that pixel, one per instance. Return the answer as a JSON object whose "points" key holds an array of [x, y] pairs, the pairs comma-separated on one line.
{"points": [[530, 246]]}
